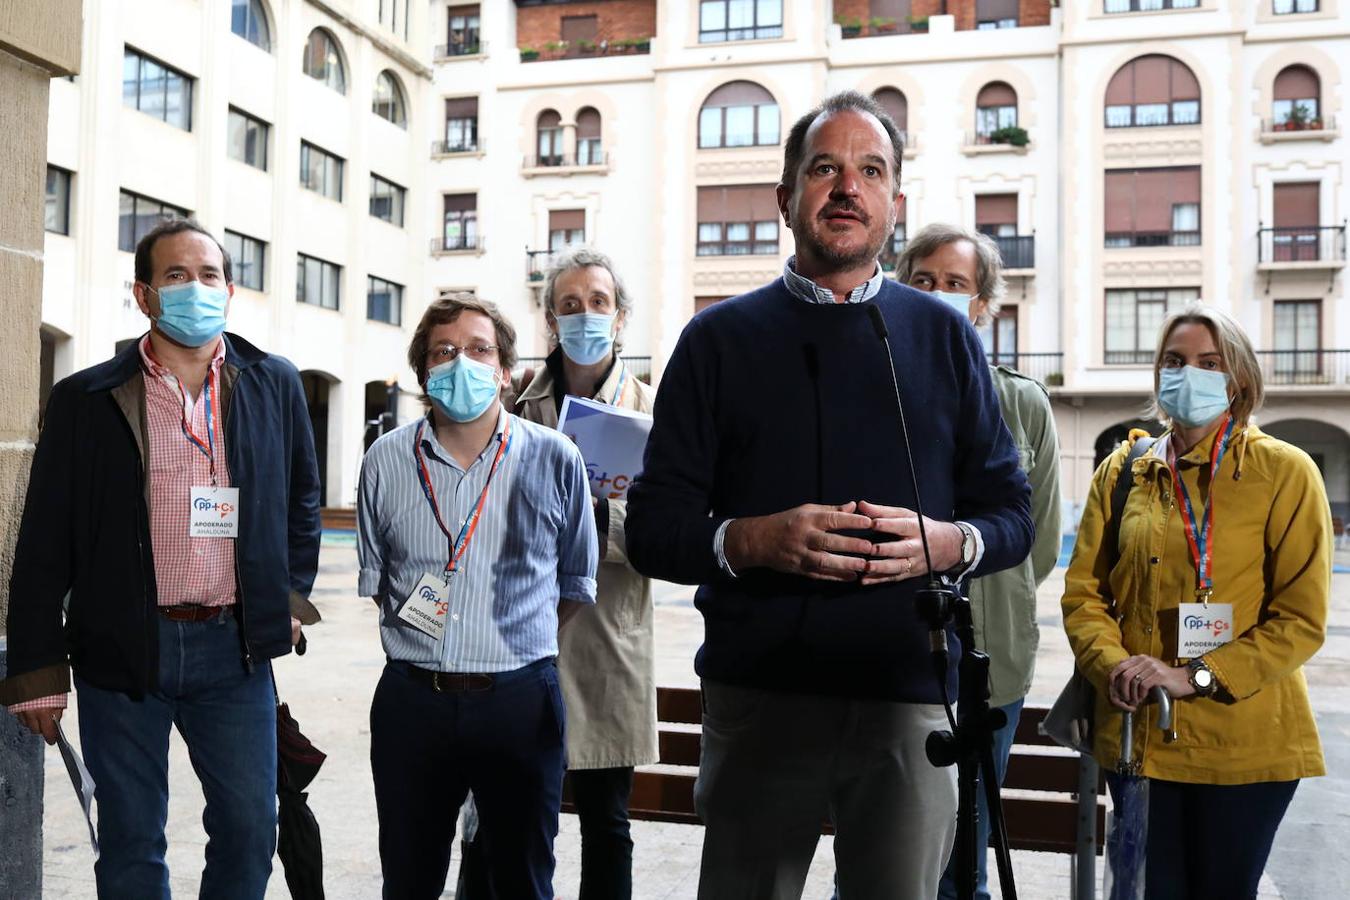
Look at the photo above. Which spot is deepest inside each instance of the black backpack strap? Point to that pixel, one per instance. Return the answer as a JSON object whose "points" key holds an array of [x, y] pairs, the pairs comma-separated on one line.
{"points": [[1121, 491]]}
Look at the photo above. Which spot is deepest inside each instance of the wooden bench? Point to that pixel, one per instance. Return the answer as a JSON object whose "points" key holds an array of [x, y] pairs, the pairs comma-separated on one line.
{"points": [[1042, 801]]}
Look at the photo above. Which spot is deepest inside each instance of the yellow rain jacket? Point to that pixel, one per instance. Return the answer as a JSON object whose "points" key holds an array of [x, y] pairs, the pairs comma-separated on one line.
{"points": [[1272, 544]]}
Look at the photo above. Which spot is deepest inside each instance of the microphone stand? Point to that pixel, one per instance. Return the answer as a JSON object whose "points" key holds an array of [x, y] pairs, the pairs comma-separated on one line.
{"points": [[970, 742]]}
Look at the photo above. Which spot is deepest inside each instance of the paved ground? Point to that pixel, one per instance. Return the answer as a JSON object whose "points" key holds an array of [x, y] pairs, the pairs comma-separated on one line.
{"points": [[329, 691]]}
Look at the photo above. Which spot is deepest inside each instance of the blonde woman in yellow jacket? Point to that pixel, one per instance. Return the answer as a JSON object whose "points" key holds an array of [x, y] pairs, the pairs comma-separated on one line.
{"points": [[1244, 728]]}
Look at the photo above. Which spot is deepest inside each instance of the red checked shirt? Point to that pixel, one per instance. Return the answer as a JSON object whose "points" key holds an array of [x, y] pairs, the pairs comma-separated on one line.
{"points": [[188, 570]]}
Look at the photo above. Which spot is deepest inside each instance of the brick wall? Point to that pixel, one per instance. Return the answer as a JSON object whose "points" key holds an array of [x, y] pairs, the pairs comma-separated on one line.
{"points": [[616, 19]]}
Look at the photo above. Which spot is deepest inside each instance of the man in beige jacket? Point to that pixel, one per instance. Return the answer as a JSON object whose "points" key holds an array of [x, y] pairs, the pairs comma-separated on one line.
{"points": [[605, 653]]}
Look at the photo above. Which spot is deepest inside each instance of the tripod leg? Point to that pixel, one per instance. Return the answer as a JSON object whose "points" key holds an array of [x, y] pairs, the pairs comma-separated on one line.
{"points": [[998, 826]]}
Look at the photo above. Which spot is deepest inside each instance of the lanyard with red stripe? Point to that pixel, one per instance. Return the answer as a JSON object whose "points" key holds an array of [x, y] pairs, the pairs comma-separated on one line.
{"points": [[207, 447], [458, 544], [1199, 533]]}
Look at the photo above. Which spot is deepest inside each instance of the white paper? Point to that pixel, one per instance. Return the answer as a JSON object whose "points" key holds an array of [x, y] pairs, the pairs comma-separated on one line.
{"points": [[214, 512], [426, 607], [1202, 628], [611, 440], [81, 780]]}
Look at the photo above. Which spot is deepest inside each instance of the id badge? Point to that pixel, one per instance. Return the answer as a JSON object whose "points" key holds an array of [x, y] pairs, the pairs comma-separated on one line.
{"points": [[1203, 628], [214, 512], [425, 608]]}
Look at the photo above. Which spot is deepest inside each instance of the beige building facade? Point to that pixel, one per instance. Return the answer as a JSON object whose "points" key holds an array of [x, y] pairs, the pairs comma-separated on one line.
{"points": [[1128, 157]]}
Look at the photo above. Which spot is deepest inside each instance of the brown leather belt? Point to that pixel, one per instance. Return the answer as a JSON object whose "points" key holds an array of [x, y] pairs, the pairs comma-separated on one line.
{"points": [[195, 613], [451, 682]]}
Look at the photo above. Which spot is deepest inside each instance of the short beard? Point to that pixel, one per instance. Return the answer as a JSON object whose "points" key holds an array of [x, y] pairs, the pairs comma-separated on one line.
{"points": [[837, 261]]}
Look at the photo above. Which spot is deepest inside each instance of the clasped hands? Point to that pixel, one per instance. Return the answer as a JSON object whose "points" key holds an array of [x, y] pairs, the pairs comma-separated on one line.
{"points": [[805, 540], [1130, 681]]}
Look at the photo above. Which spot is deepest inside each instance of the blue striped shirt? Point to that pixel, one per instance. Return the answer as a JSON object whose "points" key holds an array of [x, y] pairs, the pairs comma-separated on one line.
{"points": [[535, 544]]}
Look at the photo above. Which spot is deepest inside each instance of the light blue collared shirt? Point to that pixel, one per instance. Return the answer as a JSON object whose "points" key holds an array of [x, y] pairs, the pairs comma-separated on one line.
{"points": [[806, 289], [535, 544]]}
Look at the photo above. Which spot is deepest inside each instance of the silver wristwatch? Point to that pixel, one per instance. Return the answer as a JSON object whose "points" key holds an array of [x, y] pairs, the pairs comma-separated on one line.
{"points": [[1202, 679], [967, 547]]}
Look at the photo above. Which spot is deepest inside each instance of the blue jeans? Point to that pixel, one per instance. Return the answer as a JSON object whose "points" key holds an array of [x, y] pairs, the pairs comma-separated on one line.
{"points": [[227, 719], [1003, 740]]}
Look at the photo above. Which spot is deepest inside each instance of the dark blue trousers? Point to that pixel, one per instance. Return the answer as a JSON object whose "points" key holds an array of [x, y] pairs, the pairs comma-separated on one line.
{"points": [[1210, 841], [429, 749]]}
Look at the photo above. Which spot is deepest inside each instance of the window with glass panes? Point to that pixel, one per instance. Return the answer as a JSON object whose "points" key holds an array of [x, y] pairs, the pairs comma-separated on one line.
{"points": [[1152, 90], [384, 301], [739, 20], [248, 19], [317, 282], [137, 215], [57, 217], [1287, 7], [463, 36], [461, 124], [548, 138], [565, 228], [995, 14], [737, 220], [1124, 6], [588, 138], [999, 337], [738, 114], [386, 200], [320, 171], [156, 89], [995, 108], [323, 62], [388, 102], [1298, 337], [1155, 207], [246, 139], [248, 258], [1133, 319], [461, 222], [1296, 102]]}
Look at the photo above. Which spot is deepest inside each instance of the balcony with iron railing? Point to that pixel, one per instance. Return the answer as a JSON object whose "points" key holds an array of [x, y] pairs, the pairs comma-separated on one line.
{"points": [[1309, 247], [1306, 368], [469, 46], [447, 148], [460, 243], [536, 265], [1018, 251], [1047, 368], [1305, 127], [1118, 239], [558, 164]]}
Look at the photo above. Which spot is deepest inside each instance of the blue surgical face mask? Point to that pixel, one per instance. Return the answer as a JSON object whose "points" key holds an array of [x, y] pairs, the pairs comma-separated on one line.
{"points": [[462, 388], [191, 314], [1193, 397], [959, 302], [586, 338]]}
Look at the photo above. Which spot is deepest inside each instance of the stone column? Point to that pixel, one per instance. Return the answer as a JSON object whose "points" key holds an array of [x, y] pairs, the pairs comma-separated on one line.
{"points": [[37, 41]]}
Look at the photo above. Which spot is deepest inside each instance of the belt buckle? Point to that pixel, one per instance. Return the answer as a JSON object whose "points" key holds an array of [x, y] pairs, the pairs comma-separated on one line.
{"points": [[436, 682]]}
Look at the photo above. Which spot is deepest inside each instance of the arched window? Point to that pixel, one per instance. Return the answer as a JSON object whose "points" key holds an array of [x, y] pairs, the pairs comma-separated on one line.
{"points": [[895, 104], [323, 61], [738, 114], [589, 151], [1152, 90], [1297, 106], [995, 109], [389, 102], [548, 140], [248, 19]]}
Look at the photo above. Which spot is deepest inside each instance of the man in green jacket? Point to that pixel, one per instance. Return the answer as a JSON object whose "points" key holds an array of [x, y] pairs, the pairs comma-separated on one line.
{"points": [[966, 269]]}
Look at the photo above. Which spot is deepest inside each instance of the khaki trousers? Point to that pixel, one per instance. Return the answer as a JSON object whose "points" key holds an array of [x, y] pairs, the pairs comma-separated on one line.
{"points": [[775, 766]]}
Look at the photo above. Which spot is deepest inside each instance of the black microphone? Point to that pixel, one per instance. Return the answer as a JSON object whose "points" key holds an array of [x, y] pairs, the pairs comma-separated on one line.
{"points": [[935, 600]]}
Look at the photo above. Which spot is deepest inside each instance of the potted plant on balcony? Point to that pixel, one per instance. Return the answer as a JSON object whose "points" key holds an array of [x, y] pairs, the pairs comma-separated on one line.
{"points": [[882, 25], [528, 54], [1010, 134], [918, 24], [851, 26], [642, 44], [1054, 379], [586, 48], [556, 48]]}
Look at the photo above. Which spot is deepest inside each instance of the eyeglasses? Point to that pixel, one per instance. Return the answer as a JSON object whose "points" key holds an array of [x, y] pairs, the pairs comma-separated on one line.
{"points": [[447, 352]]}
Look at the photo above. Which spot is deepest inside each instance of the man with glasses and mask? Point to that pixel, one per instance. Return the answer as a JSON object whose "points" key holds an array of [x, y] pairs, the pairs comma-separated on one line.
{"points": [[173, 513], [477, 542], [777, 479]]}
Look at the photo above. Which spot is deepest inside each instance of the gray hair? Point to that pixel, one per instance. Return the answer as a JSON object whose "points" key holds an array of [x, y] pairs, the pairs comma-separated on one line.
{"points": [[990, 285], [583, 256]]}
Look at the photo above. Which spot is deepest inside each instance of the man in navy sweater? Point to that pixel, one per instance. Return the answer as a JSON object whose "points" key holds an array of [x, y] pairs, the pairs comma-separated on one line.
{"points": [[775, 458]]}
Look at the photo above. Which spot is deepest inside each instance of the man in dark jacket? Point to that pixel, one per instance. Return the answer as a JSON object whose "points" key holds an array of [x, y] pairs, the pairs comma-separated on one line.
{"points": [[774, 475], [172, 515]]}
